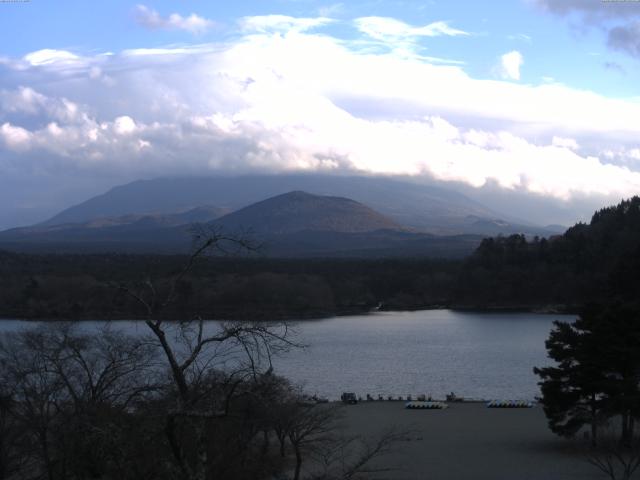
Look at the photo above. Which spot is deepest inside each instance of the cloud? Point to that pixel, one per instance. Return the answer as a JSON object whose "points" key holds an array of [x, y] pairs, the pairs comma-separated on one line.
{"points": [[614, 66], [590, 10], [389, 29], [49, 56], [521, 37], [332, 10], [303, 101], [15, 138], [625, 38], [281, 23], [561, 142], [619, 19], [149, 18], [510, 64]]}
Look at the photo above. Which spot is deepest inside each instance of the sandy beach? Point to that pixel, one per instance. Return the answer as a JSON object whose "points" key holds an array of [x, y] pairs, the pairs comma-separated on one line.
{"points": [[470, 441]]}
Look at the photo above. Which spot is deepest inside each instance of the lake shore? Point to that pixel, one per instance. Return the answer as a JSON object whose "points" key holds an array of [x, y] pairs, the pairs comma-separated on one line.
{"points": [[470, 441]]}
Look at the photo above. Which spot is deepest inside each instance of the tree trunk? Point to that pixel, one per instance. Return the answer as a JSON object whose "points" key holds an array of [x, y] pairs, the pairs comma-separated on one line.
{"points": [[265, 442], [170, 431], [201, 449], [594, 421], [282, 439], [45, 453], [296, 475], [624, 439]]}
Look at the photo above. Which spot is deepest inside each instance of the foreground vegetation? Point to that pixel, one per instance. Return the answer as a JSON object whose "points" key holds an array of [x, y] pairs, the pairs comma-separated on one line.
{"points": [[112, 406], [185, 401]]}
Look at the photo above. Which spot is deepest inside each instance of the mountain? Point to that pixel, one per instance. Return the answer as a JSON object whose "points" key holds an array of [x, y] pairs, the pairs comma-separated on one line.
{"points": [[422, 207], [205, 213], [128, 222], [155, 232], [300, 211], [496, 226], [295, 224]]}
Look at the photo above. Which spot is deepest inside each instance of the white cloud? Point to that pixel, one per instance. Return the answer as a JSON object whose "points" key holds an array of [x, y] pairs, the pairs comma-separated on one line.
{"points": [[49, 56], [389, 29], [331, 10], [300, 101], [25, 100], [15, 138], [124, 125], [561, 142], [281, 23], [510, 64], [521, 37], [150, 18]]}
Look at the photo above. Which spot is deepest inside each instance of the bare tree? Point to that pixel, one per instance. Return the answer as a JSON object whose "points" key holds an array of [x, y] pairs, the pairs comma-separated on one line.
{"points": [[191, 348], [314, 432], [617, 459], [309, 427], [349, 458], [11, 456], [59, 380]]}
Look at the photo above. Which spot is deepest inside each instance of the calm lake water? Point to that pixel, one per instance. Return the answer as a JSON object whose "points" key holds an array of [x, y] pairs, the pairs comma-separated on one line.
{"points": [[478, 355]]}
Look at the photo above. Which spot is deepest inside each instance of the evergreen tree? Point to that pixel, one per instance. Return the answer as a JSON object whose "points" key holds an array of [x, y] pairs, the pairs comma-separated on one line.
{"points": [[597, 372], [573, 391]]}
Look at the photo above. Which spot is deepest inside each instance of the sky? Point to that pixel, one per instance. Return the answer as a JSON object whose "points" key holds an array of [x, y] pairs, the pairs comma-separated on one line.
{"points": [[531, 106]]}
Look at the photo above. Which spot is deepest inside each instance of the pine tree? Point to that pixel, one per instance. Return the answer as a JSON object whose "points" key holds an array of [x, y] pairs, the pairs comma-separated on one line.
{"points": [[597, 372]]}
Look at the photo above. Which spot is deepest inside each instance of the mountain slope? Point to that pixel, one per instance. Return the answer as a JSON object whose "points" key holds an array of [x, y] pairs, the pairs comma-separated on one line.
{"points": [[295, 224], [427, 208], [300, 211], [156, 232]]}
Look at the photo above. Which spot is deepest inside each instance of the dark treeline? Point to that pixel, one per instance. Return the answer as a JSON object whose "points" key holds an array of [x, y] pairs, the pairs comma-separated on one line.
{"points": [[85, 286], [595, 262], [590, 262]]}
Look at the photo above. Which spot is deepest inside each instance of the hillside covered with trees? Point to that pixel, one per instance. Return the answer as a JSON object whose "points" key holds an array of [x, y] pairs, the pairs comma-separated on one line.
{"points": [[594, 262]]}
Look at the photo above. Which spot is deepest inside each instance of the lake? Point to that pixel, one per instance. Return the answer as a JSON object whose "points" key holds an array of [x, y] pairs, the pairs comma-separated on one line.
{"points": [[478, 355]]}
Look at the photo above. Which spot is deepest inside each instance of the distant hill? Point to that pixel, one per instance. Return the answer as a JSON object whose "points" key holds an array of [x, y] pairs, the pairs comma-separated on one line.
{"points": [[200, 214], [136, 233], [496, 226], [422, 207], [128, 222], [295, 224], [300, 211]]}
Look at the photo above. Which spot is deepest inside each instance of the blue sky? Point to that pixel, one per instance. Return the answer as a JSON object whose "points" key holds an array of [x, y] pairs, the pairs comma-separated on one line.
{"points": [[552, 46], [537, 98]]}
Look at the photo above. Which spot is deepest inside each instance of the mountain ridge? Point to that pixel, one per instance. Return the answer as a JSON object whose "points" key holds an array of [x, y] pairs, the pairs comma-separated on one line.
{"points": [[294, 224], [427, 208]]}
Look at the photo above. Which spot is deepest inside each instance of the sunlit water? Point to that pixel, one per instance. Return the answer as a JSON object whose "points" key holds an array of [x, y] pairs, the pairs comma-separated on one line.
{"points": [[478, 355]]}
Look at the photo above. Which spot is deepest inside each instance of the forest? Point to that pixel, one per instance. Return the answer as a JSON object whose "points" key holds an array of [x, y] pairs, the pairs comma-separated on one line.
{"points": [[595, 262]]}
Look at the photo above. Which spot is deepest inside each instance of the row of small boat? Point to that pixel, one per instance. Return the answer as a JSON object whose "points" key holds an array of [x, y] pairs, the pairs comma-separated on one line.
{"points": [[509, 404], [419, 405]]}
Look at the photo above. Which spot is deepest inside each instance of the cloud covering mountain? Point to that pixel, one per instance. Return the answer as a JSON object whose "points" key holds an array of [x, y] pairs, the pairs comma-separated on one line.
{"points": [[281, 93]]}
